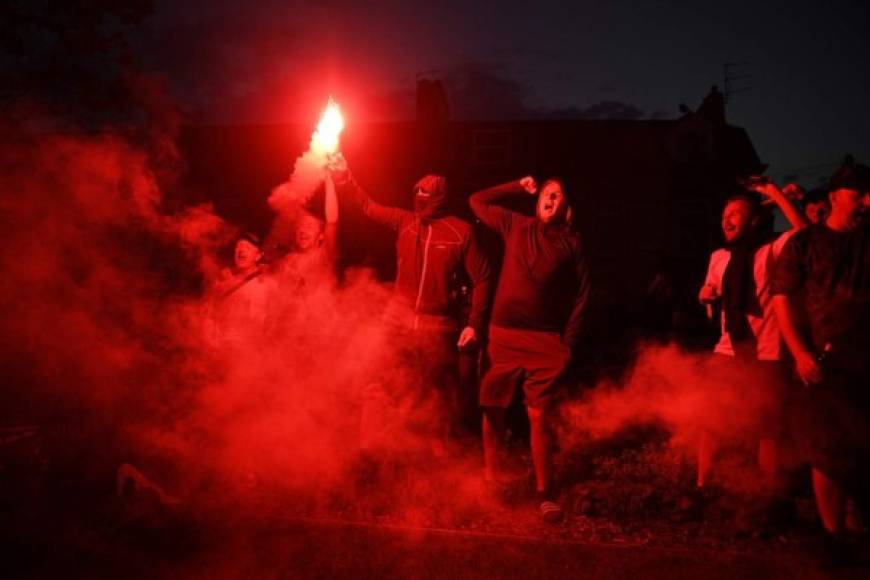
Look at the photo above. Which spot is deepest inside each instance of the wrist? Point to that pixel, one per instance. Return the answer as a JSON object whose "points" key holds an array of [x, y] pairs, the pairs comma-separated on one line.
{"points": [[805, 353]]}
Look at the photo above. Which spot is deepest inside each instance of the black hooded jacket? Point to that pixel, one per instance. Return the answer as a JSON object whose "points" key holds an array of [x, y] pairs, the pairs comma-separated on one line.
{"points": [[432, 248]]}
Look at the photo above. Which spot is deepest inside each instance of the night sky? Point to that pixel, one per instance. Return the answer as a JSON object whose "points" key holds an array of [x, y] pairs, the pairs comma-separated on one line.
{"points": [[234, 62]]}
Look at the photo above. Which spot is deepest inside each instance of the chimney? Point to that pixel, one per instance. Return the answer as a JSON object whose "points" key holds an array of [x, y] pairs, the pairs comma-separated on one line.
{"points": [[432, 106]]}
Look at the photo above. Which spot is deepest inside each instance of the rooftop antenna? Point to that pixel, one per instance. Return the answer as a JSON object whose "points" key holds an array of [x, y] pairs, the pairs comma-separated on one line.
{"points": [[730, 73]]}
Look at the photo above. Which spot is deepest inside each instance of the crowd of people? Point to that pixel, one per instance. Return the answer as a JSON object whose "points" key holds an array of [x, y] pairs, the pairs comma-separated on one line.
{"points": [[792, 309]]}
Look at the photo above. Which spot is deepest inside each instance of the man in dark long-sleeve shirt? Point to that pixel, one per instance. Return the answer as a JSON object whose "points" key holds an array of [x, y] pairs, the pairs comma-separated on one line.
{"points": [[538, 315]]}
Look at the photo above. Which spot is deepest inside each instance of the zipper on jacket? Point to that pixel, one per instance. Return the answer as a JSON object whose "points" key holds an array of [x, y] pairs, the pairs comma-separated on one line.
{"points": [[422, 274]]}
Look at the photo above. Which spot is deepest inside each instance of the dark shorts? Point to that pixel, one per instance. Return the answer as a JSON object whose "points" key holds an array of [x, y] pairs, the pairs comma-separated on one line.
{"points": [[534, 359], [836, 428]]}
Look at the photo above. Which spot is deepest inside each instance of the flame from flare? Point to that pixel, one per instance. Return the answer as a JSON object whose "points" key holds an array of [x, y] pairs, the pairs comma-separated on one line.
{"points": [[325, 137]]}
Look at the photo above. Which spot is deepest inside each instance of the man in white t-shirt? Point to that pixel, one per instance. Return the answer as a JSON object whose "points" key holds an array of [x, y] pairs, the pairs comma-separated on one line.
{"points": [[749, 352]]}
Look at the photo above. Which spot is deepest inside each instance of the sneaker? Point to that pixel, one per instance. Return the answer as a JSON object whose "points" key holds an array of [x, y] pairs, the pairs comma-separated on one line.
{"points": [[551, 513]]}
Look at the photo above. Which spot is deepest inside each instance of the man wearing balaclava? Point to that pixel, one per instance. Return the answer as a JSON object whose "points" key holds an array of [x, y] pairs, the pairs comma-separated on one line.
{"points": [[748, 356], [435, 252]]}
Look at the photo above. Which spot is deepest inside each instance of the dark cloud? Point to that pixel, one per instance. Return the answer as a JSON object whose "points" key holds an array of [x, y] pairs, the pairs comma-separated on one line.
{"points": [[275, 61], [486, 91], [72, 59], [483, 91], [604, 110]]}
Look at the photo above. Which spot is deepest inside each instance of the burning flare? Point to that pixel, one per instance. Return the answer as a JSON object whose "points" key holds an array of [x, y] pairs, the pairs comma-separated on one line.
{"points": [[308, 169], [325, 137]]}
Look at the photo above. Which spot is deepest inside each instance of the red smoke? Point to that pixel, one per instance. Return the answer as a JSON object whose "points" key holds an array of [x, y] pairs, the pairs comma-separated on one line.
{"points": [[687, 393], [106, 321]]}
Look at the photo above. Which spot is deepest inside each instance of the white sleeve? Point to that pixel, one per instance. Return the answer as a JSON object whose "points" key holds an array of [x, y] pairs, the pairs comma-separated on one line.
{"points": [[713, 273]]}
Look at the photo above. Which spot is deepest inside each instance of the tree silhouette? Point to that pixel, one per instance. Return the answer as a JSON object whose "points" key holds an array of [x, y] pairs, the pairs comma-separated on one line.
{"points": [[71, 59]]}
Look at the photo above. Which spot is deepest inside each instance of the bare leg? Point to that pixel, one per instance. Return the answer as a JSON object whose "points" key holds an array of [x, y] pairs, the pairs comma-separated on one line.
{"points": [[767, 460], [540, 448], [493, 441], [830, 501], [705, 458]]}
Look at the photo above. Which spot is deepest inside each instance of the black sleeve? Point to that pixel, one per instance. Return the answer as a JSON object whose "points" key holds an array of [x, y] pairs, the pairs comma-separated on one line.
{"points": [[477, 266], [389, 216], [788, 270], [581, 300], [483, 204]]}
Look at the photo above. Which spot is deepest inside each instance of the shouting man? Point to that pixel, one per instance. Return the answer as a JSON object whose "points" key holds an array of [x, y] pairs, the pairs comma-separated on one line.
{"points": [[748, 352], [539, 307], [238, 304]]}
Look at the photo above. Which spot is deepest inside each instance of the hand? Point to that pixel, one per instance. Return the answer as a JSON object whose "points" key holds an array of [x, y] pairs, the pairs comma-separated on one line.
{"points": [[709, 294], [467, 338], [336, 166], [808, 368], [767, 189], [529, 184], [794, 192]]}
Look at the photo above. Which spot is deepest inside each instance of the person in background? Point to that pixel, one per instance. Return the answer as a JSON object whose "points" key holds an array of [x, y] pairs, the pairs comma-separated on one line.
{"points": [[817, 206], [238, 300]]}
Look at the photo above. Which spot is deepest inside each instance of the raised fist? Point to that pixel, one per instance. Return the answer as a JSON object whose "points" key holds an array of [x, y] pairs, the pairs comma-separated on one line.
{"points": [[529, 184]]}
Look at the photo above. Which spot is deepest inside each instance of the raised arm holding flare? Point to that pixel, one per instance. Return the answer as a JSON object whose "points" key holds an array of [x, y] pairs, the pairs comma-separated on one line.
{"points": [[434, 251]]}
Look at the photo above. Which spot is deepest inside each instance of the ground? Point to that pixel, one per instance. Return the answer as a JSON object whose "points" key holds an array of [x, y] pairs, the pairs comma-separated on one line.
{"points": [[631, 513]]}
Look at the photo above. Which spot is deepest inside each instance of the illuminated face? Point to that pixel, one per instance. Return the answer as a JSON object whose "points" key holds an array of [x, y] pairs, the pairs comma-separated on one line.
{"points": [[308, 233], [736, 219], [816, 212], [850, 204], [552, 204], [246, 255]]}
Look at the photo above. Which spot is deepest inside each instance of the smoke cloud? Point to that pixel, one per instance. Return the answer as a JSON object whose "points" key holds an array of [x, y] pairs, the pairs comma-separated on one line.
{"points": [[689, 394], [114, 314], [113, 320], [303, 182]]}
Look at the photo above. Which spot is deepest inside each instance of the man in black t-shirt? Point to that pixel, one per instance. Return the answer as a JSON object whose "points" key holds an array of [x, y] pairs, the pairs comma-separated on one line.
{"points": [[823, 275]]}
